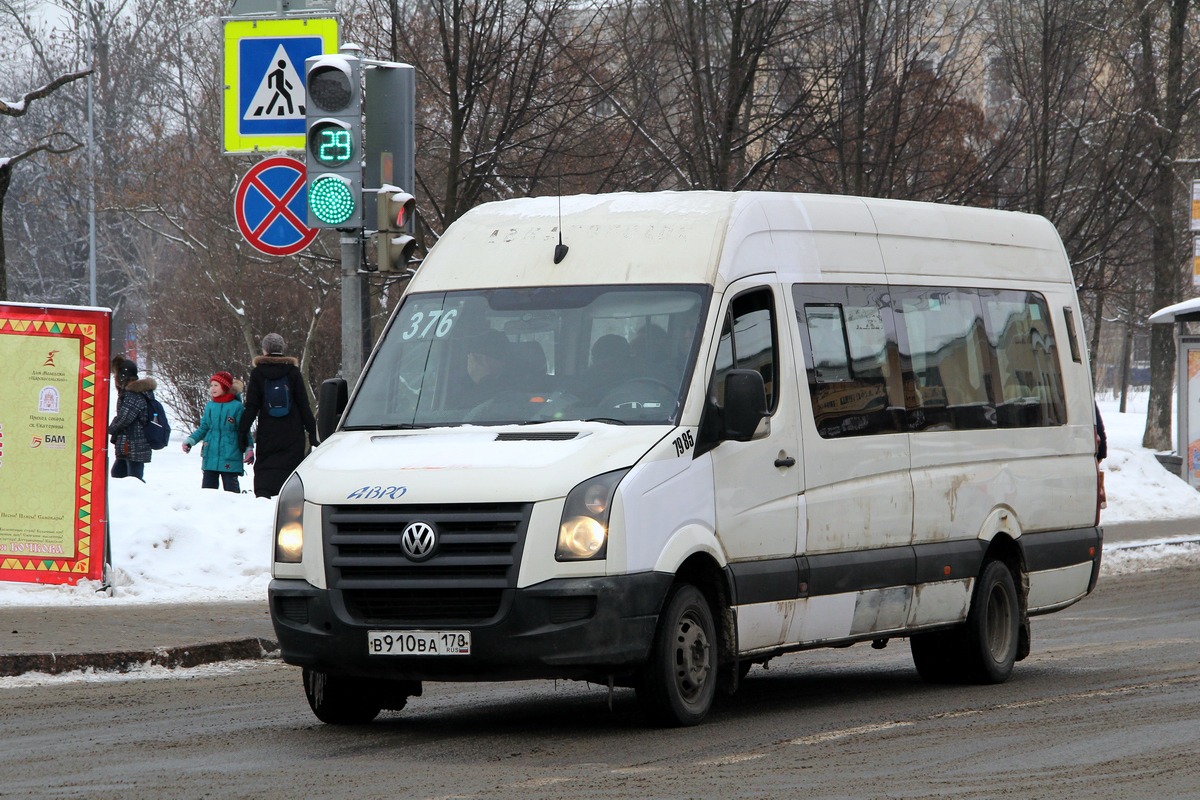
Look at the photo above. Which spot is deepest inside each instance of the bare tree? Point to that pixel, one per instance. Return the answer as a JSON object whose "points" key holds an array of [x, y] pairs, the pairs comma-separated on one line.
{"points": [[492, 110], [1081, 155], [1160, 60], [899, 96], [713, 93], [18, 108]]}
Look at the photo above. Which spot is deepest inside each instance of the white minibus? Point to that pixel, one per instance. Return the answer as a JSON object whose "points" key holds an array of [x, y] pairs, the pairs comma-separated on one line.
{"points": [[650, 440]]}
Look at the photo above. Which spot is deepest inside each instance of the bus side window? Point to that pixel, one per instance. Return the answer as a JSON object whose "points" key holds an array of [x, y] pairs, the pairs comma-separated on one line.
{"points": [[950, 359], [850, 358], [1031, 388]]}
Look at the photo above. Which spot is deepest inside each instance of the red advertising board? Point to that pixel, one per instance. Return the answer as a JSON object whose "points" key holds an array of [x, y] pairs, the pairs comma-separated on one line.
{"points": [[53, 442]]}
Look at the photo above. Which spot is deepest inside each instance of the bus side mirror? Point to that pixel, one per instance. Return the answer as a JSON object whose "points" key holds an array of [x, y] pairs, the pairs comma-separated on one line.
{"points": [[331, 402], [745, 404]]}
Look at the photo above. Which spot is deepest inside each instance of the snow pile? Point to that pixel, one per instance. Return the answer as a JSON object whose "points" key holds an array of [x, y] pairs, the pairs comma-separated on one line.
{"points": [[1138, 487], [1148, 557], [173, 542]]}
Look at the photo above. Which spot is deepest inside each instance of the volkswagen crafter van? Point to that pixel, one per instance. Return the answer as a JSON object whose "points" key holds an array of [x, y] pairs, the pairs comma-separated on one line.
{"points": [[704, 430]]}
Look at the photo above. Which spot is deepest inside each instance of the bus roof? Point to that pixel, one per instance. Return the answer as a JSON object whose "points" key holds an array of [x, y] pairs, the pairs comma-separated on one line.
{"points": [[714, 238]]}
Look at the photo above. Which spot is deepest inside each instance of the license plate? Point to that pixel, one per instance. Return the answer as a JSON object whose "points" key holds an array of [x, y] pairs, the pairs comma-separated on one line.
{"points": [[419, 643]]}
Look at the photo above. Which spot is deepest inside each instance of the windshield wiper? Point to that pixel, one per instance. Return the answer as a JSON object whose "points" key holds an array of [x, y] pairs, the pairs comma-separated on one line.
{"points": [[390, 426], [606, 420]]}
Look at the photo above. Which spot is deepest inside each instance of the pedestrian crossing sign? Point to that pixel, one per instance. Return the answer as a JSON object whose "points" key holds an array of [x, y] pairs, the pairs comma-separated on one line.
{"points": [[264, 80]]}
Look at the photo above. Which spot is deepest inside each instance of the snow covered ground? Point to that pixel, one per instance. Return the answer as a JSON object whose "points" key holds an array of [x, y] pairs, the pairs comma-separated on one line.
{"points": [[173, 542], [1138, 488]]}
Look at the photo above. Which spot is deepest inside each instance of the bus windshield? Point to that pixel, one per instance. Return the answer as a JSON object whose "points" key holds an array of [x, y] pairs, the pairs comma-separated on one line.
{"points": [[504, 356]]}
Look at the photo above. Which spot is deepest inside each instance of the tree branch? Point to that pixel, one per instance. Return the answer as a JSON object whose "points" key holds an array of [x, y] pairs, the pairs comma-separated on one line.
{"points": [[44, 147], [18, 108]]}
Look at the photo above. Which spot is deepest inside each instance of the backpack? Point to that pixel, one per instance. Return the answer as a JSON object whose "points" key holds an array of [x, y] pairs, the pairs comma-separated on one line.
{"points": [[277, 396], [157, 429]]}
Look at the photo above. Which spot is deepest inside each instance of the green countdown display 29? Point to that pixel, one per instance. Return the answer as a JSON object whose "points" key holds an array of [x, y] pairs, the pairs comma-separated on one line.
{"points": [[331, 143]]}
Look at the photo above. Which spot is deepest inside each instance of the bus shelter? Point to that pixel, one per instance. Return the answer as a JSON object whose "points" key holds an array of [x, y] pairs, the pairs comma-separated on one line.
{"points": [[1187, 385]]}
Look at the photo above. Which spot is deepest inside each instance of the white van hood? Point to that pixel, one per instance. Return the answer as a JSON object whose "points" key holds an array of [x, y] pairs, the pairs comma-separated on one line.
{"points": [[469, 464]]}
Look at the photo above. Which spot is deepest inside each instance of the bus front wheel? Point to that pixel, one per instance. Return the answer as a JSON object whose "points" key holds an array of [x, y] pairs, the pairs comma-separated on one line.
{"points": [[678, 682], [338, 700]]}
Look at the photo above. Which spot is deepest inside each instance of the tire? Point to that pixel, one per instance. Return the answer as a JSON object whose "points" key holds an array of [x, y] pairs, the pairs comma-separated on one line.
{"points": [[985, 647], [338, 700], [678, 682], [992, 632]]}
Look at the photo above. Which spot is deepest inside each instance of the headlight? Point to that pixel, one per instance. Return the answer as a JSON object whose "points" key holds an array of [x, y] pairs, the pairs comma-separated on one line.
{"points": [[583, 532], [289, 522]]}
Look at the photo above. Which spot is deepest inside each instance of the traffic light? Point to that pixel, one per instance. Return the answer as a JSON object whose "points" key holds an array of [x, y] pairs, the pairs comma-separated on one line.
{"points": [[388, 110], [394, 246], [333, 141]]}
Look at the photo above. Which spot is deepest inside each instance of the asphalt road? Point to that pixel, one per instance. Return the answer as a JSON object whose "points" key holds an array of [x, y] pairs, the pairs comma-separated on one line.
{"points": [[1107, 706]]}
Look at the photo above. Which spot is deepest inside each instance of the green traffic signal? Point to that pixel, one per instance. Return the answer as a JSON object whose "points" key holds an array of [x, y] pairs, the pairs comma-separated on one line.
{"points": [[331, 199]]}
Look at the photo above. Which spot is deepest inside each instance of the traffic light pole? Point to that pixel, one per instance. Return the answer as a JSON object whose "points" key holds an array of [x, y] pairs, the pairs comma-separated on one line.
{"points": [[353, 288]]}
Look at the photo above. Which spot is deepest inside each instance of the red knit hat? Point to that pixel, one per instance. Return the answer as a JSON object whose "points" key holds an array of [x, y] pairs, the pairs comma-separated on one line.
{"points": [[225, 379]]}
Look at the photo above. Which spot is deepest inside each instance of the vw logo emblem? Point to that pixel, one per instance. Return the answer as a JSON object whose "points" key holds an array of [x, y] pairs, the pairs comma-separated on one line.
{"points": [[419, 540]]}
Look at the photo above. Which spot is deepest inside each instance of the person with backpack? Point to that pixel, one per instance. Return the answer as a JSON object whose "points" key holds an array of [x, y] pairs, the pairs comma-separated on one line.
{"points": [[277, 399], [127, 430], [221, 458]]}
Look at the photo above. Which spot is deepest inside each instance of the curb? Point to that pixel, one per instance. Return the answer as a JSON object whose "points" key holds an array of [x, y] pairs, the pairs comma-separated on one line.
{"points": [[125, 660]]}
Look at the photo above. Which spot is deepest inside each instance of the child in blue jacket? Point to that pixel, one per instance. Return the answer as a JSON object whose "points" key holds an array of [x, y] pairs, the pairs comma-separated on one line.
{"points": [[219, 431]]}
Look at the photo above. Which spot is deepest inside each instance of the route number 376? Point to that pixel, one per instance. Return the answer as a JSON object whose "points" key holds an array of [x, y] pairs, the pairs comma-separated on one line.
{"points": [[437, 322]]}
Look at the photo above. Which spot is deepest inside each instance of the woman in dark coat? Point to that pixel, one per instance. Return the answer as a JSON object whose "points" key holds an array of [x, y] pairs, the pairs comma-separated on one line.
{"points": [[279, 440], [126, 431]]}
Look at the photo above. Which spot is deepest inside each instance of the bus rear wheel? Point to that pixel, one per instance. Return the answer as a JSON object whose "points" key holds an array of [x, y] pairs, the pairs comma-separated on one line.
{"points": [[993, 626], [984, 648]]}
